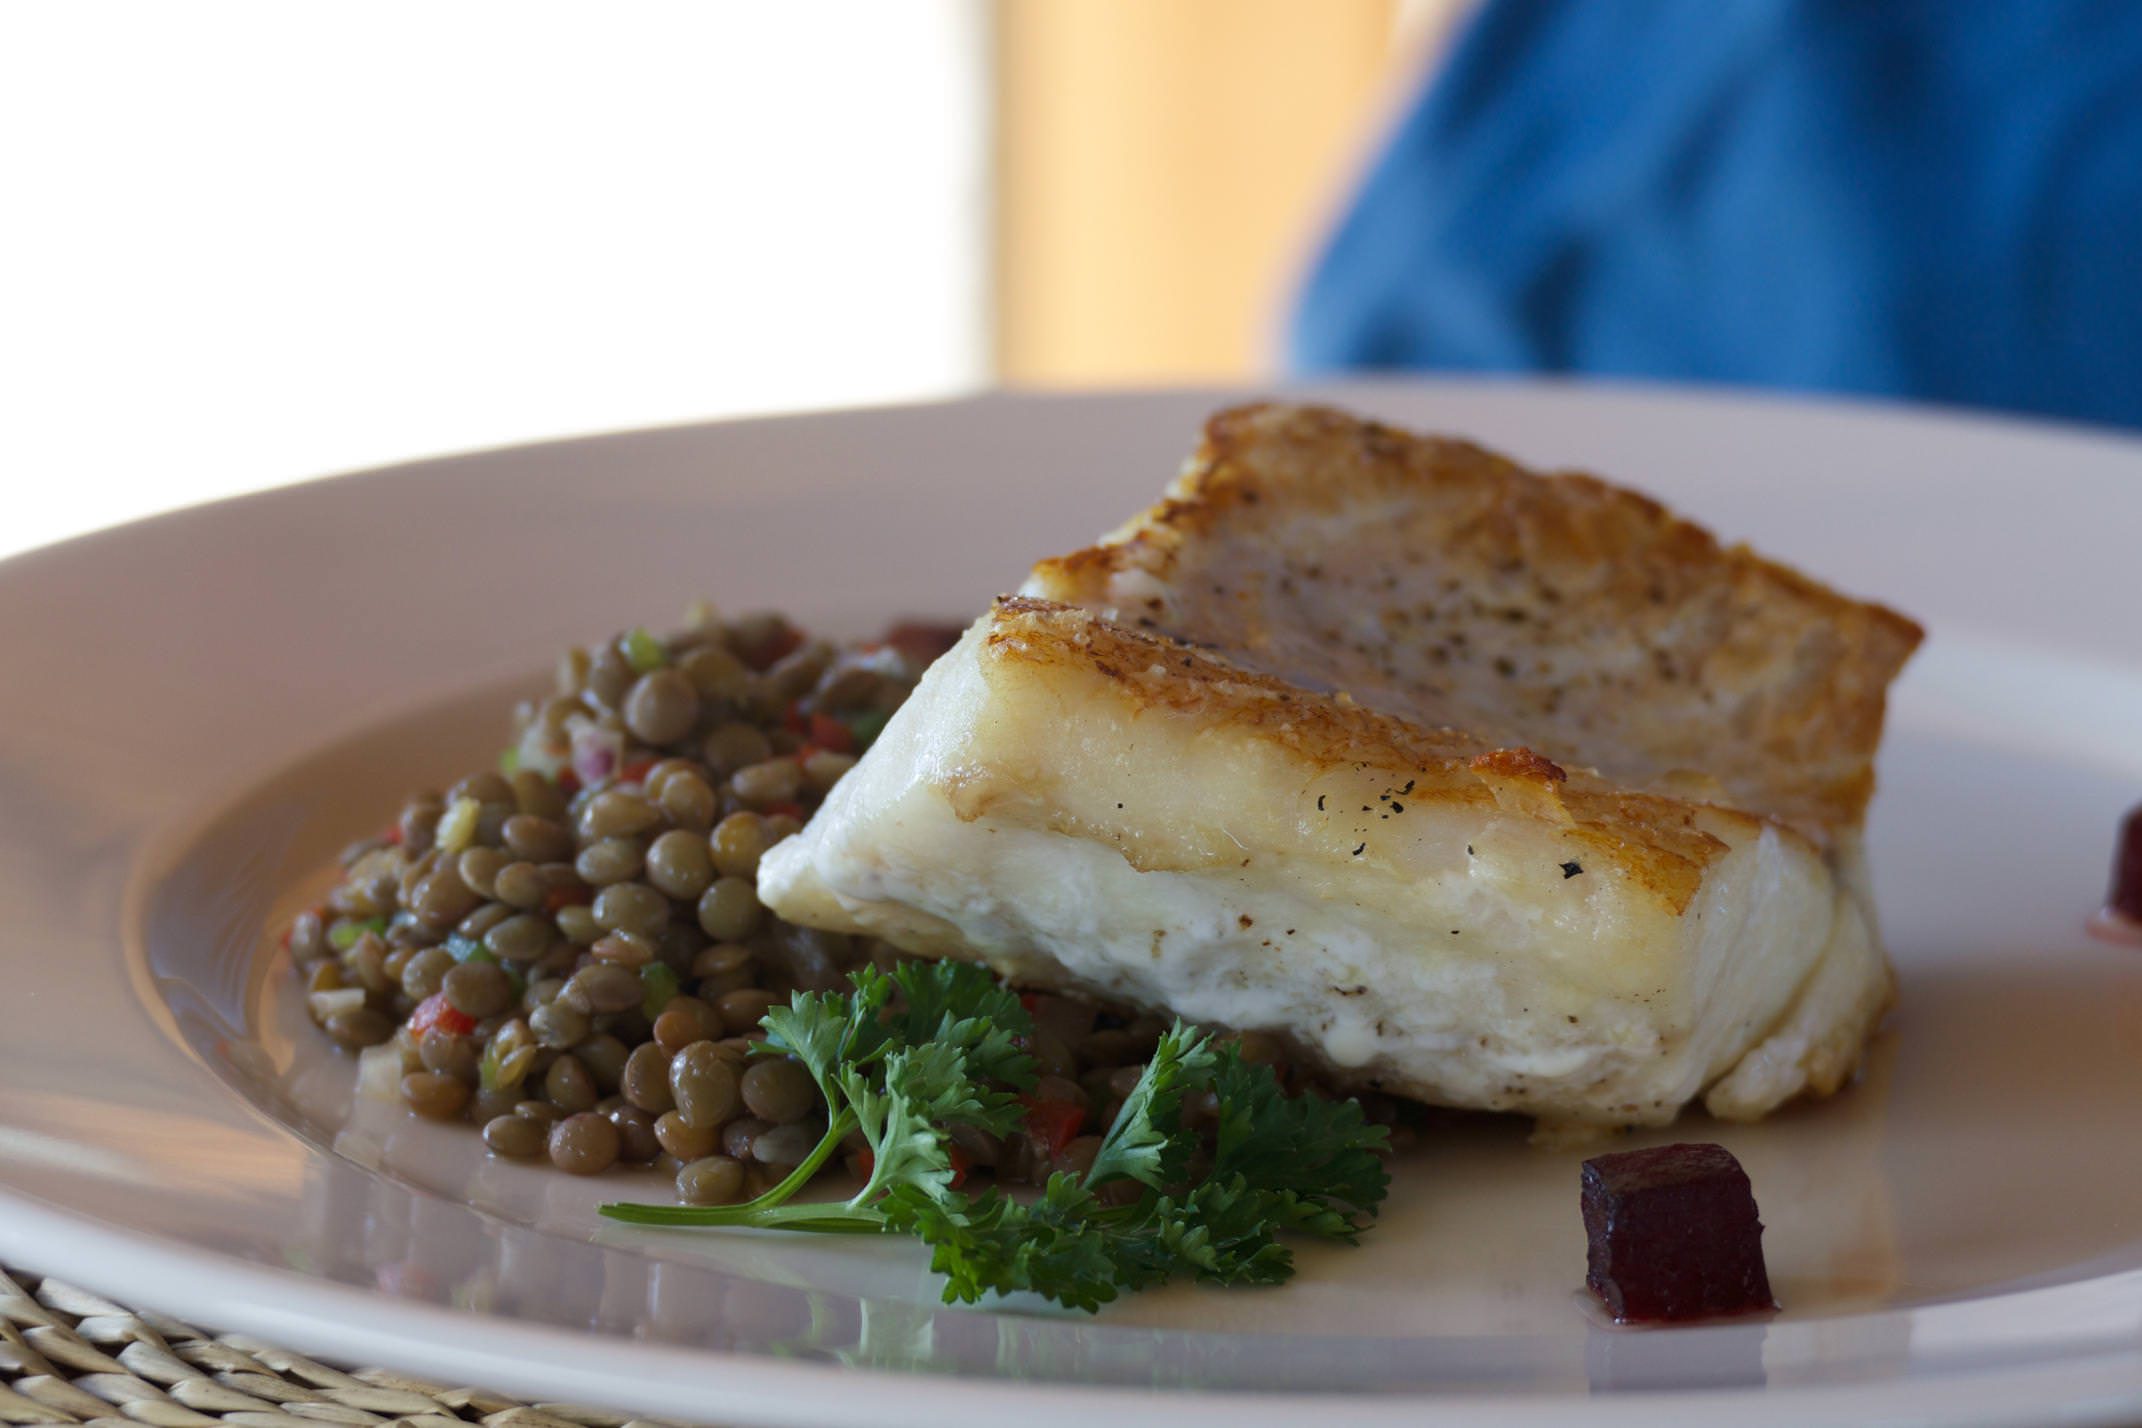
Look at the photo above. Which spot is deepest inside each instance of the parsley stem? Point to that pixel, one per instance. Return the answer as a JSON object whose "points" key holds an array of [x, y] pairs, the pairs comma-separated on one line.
{"points": [[830, 1219], [836, 1132], [766, 1208]]}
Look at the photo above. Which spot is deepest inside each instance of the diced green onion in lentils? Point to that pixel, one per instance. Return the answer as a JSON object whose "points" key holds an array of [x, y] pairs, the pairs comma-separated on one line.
{"points": [[343, 934], [659, 984], [866, 725], [643, 651]]}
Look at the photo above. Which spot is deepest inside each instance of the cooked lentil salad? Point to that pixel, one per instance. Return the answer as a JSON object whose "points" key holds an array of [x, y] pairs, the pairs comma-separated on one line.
{"points": [[569, 950]]}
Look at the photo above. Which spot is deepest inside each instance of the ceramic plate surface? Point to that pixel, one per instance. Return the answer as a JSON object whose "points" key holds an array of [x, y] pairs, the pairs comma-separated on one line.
{"points": [[196, 711]]}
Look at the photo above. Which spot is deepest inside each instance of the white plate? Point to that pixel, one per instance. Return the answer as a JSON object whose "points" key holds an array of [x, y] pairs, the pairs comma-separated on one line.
{"points": [[195, 711]]}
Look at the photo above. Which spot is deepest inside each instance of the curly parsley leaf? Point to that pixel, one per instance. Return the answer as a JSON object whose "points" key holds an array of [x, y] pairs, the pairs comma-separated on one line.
{"points": [[992, 1244], [1148, 1143], [905, 1148], [1320, 1160], [964, 1005], [903, 1057], [1221, 1232]]}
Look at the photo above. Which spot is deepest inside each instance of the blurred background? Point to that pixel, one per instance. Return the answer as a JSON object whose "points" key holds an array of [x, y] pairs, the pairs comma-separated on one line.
{"points": [[252, 241]]}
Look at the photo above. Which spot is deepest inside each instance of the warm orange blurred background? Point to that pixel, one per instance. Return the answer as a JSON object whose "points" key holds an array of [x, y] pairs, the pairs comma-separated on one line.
{"points": [[1164, 170]]}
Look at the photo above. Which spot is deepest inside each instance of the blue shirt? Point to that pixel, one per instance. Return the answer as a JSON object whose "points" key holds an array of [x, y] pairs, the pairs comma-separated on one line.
{"points": [[1936, 199]]}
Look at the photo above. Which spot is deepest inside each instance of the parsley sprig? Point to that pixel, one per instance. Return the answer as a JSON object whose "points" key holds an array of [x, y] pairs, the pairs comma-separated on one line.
{"points": [[902, 1057]]}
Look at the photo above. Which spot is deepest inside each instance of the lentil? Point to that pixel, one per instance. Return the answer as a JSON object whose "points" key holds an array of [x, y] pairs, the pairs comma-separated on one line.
{"points": [[684, 1021], [713, 1180], [623, 949], [519, 885], [478, 869], [360, 1028], [616, 813], [515, 1137], [604, 1055], [602, 987], [730, 910], [448, 1055], [778, 1091], [478, 989], [633, 907], [740, 1010], [612, 860], [768, 782], [536, 839], [425, 971], [636, 1140], [662, 707], [559, 1024], [584, 1144], [738, 1137], [435, 1097], [688, 802], [568, 1084], [704, 1085], [784, 1147], [684, 1140], [645, 1082], [680, 865]]}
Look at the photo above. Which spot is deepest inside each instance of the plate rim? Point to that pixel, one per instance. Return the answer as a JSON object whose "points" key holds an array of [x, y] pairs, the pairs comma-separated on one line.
{"points": [[28, 1225]]}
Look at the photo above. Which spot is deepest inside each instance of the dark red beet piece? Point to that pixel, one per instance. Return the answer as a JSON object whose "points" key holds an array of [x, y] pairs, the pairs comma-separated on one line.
{"points": [[1673, 1234], [2125, 899]]}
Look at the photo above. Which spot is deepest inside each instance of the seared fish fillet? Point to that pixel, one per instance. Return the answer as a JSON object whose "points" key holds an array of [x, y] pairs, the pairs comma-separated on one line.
{"points": [[1499, 790]]}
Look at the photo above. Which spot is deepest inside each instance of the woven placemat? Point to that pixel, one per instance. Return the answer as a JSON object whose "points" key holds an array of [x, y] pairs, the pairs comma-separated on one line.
{"points": [[68, 1356]]}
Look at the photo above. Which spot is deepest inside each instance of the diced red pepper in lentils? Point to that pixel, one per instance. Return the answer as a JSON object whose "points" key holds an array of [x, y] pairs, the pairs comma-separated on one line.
{"points": [[435, 1012], [829, 733], [1055, 1124]]}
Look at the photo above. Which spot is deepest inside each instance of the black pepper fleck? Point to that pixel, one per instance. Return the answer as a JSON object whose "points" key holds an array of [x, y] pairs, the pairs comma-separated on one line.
{"points": [[1571, 868], [1360, 848]]}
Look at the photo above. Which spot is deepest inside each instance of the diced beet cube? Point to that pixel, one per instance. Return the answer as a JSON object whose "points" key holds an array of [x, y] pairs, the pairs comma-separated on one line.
{"points": [[2125, 899], [1673, 1234]]}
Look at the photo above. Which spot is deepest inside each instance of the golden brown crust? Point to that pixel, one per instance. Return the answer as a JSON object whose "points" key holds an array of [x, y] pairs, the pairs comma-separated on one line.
{"points": [[1657, 842], [1442, 583]]}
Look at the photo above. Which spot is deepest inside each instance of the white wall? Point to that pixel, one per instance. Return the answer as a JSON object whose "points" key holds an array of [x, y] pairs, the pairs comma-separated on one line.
{"points": [[248, 241]]}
